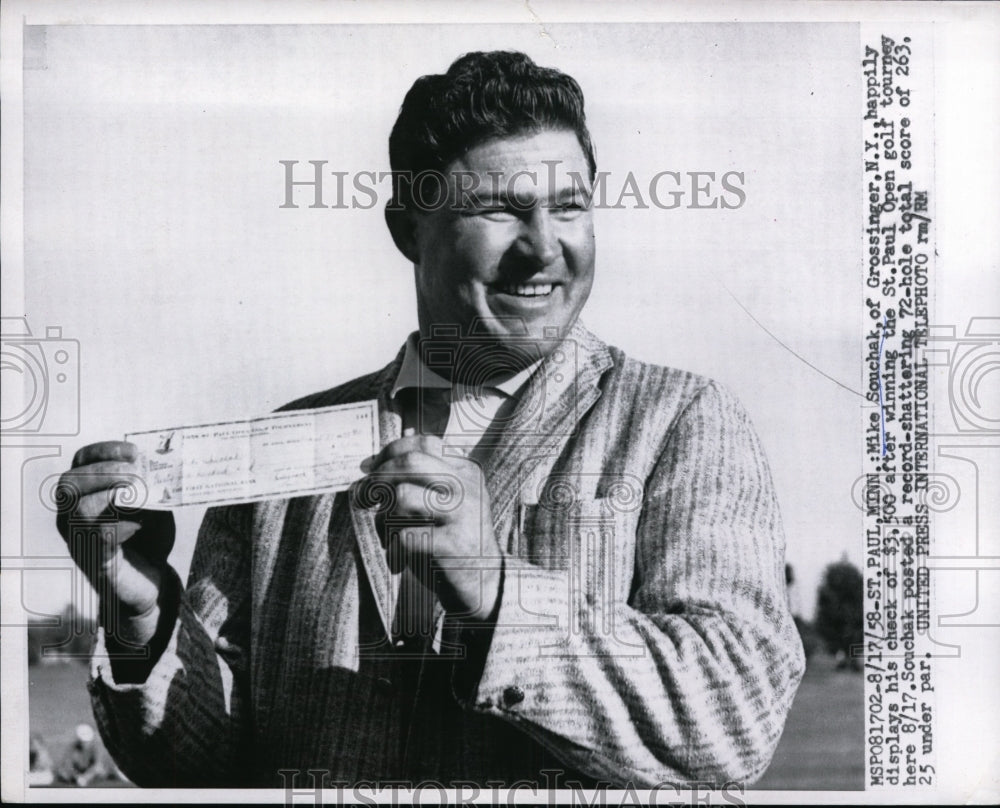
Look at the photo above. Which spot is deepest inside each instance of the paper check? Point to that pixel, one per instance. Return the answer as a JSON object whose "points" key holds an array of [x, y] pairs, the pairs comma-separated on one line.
{"points": [[282, 455]]}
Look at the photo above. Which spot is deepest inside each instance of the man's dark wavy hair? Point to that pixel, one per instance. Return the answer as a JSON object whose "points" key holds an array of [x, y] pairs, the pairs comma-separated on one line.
{"points": [[484, 95]]}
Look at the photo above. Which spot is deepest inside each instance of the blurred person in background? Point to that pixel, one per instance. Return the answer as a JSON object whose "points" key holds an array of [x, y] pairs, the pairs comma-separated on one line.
{"points": [[81, 763], [39, 762]]}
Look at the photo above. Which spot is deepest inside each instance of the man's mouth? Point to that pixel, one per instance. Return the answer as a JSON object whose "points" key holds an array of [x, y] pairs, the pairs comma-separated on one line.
{"points": [[526, 289]]}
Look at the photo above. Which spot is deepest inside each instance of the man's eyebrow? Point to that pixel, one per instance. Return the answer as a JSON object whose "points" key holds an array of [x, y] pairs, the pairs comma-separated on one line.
{"points": [[570, 193], [499, 197], [491, 196]]}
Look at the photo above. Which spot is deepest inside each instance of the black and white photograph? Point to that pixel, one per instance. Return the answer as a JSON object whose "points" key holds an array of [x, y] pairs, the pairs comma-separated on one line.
{"points": [[529, 402]]}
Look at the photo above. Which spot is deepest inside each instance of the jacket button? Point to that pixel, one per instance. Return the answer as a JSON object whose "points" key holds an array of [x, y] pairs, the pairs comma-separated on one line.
{"points": [[513, 695], [383, 684]]}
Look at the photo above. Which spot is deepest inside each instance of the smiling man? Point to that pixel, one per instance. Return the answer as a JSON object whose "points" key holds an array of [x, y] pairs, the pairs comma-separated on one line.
{"points": [[563, 565], [512, 247]]}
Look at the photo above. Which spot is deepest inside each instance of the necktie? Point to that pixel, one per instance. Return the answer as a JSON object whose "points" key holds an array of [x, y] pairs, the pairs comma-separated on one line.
{"points": [[435, 407], [425, 409]]}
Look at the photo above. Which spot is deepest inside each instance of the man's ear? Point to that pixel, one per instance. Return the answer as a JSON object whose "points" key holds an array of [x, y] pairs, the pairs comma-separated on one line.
{"points": [[403, 229]]}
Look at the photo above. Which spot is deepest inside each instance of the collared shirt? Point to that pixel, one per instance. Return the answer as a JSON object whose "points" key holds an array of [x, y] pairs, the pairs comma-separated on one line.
{"points": [[473, 408]]}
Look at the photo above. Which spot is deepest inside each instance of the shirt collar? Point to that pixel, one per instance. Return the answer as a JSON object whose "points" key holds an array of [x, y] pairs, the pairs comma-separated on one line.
{"points": [[414, 373]]}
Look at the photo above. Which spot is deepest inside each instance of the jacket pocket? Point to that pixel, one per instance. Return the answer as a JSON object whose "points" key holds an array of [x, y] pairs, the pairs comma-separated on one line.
{"points": [[592, 539]]}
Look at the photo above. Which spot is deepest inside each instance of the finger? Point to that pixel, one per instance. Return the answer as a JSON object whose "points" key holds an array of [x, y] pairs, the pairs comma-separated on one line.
{"points": [[411, 544], [413, 467], [98, 476], [98, 541], [93, 505], [431, 479], [97, 547], [95, 544], [408, 512], [433, 497], [85, 514], [416, 502], [106, 450], [427, 444], [373, 492], [396, 524]]}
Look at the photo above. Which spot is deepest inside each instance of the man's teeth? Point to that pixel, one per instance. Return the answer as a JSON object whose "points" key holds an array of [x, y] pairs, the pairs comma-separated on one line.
{"points": [[527, 289]]}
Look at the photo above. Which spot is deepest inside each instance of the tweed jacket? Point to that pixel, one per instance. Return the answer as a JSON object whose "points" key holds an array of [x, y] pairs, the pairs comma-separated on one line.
{"points": [[642, 634]]}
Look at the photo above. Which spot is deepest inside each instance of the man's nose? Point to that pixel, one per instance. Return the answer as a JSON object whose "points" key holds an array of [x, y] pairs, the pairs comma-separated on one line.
{"points": [[538, 238]]}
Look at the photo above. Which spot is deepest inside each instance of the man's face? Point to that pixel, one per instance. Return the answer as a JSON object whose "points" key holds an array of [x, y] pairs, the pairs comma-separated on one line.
{"points": [[514, 246]]}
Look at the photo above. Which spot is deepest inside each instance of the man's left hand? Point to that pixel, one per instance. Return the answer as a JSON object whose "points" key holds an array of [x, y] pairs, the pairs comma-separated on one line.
{"points": [[439, 523]]}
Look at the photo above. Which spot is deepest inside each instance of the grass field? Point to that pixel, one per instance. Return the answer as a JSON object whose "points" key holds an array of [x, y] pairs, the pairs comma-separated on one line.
{"points": [[823, 743], [822, 747]]}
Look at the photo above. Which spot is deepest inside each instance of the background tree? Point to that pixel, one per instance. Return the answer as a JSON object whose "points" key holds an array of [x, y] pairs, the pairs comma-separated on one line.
{"points": [[72, 636], [839, 611]]}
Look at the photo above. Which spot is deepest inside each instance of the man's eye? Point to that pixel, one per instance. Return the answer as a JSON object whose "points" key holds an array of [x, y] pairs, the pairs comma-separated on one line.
{"points": [[491, 211], [569, 207]]}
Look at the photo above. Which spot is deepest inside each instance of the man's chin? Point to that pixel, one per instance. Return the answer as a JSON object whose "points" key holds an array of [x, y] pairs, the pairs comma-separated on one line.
{"points": [[543, 327], [484, 359], [495, 346]]}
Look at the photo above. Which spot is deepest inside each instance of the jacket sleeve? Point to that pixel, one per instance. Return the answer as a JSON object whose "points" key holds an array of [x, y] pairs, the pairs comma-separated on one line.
{"points": [[690, 678], [186, 725]]}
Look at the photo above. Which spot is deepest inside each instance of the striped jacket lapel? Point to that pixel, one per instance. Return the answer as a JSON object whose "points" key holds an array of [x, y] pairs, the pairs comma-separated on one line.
{"points": [[384, 583], [558, 395]]}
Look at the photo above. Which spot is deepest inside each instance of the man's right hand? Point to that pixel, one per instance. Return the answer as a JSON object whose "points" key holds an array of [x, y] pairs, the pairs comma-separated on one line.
{"points": [[124, 557]]}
